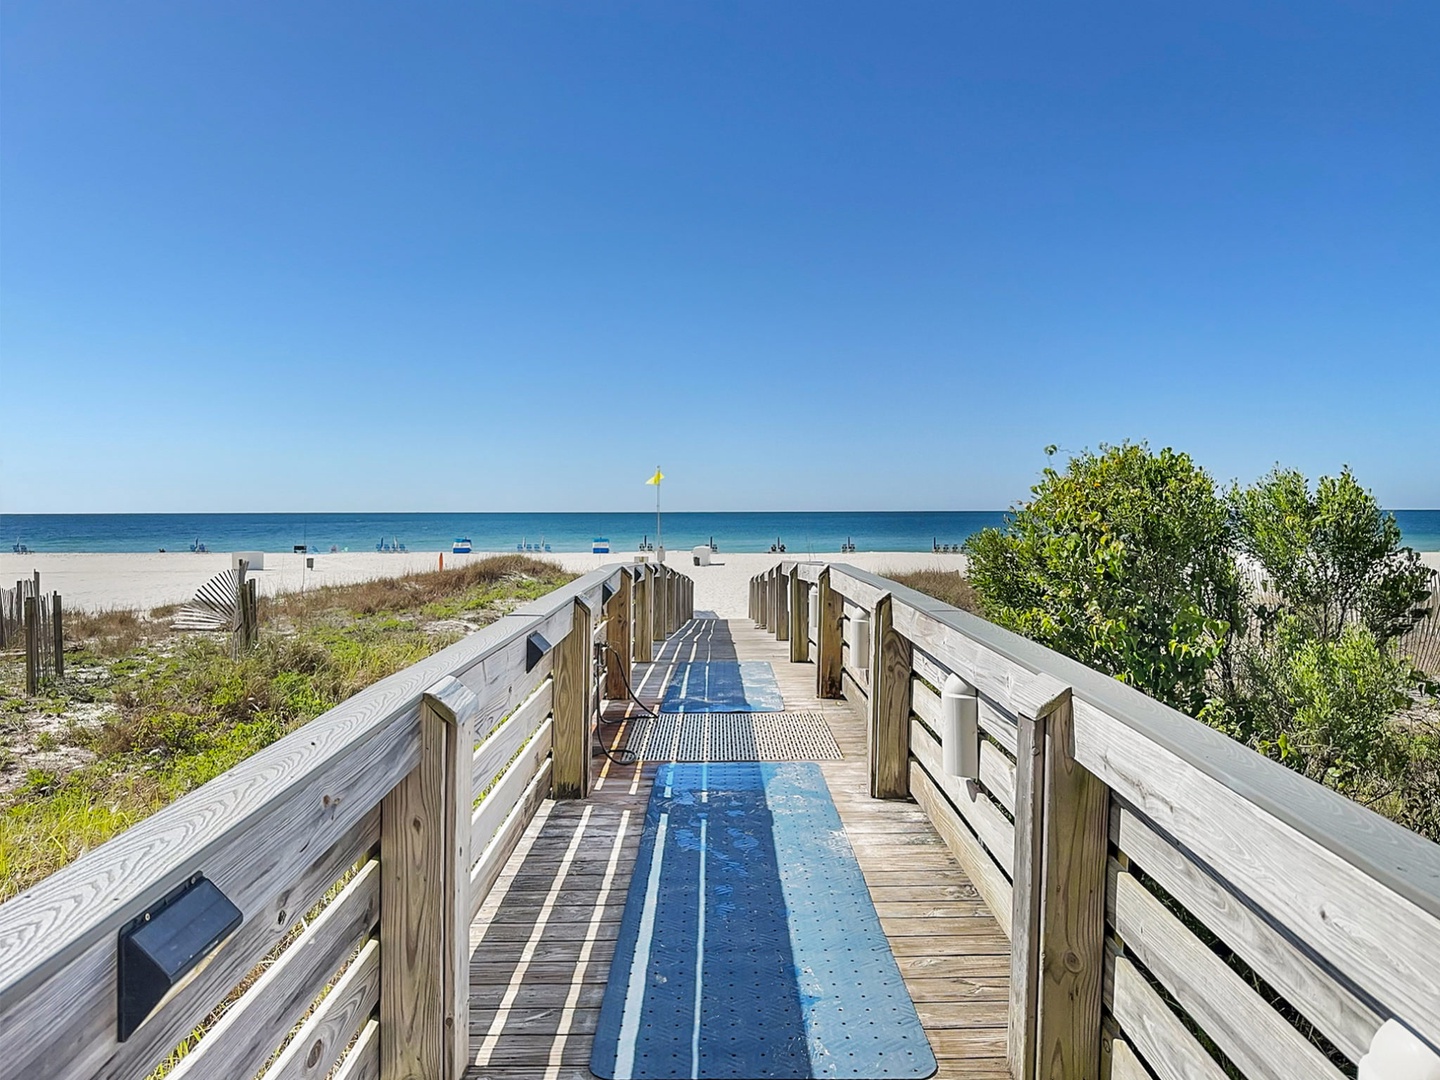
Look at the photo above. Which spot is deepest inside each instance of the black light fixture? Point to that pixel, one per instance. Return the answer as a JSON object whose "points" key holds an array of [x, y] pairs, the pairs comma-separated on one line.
{"points": [[535, 649], [160, 946]]}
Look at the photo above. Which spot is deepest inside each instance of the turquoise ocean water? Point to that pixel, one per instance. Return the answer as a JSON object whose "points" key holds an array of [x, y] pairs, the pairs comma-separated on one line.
{"points": [[801, 532]]}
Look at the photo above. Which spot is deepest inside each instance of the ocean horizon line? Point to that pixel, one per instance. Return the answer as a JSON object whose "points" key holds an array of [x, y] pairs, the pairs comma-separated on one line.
{"points": [[569, 531]]}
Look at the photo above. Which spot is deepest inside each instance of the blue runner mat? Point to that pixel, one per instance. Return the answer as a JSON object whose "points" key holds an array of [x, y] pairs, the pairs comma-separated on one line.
{"points": [[721, 686], [749, 946]]}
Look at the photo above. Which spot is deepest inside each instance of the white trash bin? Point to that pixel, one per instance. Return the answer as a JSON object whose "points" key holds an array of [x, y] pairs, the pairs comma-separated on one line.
{"points": [[702, 555]]}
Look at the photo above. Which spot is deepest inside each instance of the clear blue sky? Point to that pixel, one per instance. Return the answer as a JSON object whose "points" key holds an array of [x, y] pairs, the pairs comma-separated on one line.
{"points": [[509, 256]]}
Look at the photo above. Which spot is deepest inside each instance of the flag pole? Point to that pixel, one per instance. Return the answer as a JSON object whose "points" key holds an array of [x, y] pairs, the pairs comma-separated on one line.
{"points": [[659, 544]]}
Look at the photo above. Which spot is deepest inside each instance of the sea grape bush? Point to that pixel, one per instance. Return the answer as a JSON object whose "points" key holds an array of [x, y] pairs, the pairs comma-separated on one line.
{"points": [[1270, 612], [1123, 562], [1334, 557]]}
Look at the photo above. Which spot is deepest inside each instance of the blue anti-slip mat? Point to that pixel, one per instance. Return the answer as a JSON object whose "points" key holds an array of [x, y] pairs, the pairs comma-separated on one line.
{"points": [[722, 686], [749, 946]]}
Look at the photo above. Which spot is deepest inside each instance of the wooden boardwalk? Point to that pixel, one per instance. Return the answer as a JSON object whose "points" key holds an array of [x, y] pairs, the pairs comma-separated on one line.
{"points": [[543, 941]]}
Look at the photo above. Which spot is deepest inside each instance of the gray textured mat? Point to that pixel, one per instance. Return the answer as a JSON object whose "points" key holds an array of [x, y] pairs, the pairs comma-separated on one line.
{"points": [[776, 736]]}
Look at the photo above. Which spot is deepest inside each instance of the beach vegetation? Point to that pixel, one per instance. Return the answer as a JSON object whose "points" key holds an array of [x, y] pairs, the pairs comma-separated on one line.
{"points": [[1123, 561], [1321, 685], [1330, 556], [948, 586], [1272, 612], [146, 714]]}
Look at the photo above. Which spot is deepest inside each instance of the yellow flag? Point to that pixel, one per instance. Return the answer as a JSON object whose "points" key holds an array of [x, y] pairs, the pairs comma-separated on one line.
{"points": [[656, 478]]}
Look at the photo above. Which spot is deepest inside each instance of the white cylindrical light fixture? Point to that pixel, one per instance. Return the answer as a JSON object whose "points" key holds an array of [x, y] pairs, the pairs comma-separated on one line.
{"points": [[960, 728], [860, 640], [1396, 1053]]}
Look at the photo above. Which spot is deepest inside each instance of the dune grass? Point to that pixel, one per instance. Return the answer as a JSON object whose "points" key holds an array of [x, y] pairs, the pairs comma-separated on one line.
{"points": [[146, 714], [948, 586]]}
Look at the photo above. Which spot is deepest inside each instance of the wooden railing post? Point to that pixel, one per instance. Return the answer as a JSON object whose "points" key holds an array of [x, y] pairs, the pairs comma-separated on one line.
{"points": [[1025, 897], [762, 598], [1062, 820], [617, 637], [672, 592], [425, 900], [782, 604], [57, 625], [662, 603], [644, 634], [831, 613], [799, 618], [574, 677], [891, 659], [32, 646]]}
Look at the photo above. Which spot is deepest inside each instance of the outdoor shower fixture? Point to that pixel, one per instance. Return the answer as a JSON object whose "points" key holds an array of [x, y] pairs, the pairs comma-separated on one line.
{"points": [[960, 728]]}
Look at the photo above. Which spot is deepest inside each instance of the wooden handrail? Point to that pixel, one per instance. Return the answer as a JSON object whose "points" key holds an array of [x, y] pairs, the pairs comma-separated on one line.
{"points": [[1403, 862], [1345, 903], [277, 831]]}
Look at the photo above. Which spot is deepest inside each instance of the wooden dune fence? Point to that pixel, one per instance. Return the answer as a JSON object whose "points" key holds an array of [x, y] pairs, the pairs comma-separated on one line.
{"points": [[1178, 905], [34, 622], [1422, 642]]}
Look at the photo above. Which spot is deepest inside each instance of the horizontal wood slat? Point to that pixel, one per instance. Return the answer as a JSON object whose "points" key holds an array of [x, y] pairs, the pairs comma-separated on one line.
{"points": [[1245, 1028], [492, 859], [1383, 943], [1124, 1064], [985, 821], [1346, 1020], [987, 877], [315, 1048], [246, 1036], [500, 745], [363, 1060], [495, 807], [1162, 1041], [854, 689]]}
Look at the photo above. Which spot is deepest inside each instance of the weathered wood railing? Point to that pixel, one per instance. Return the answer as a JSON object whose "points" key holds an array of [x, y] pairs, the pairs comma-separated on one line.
{"points": [[358, 850], [1156, 878]]}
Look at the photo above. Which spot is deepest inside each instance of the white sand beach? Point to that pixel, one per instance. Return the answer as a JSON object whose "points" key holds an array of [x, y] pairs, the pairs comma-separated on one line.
{"points": [[145, 580]]}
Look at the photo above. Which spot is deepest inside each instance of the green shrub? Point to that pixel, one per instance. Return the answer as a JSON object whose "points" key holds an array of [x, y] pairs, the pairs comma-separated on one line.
{"points": [[1122, 562], [1323, 707], [1332, 554], [1127, 561]]}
